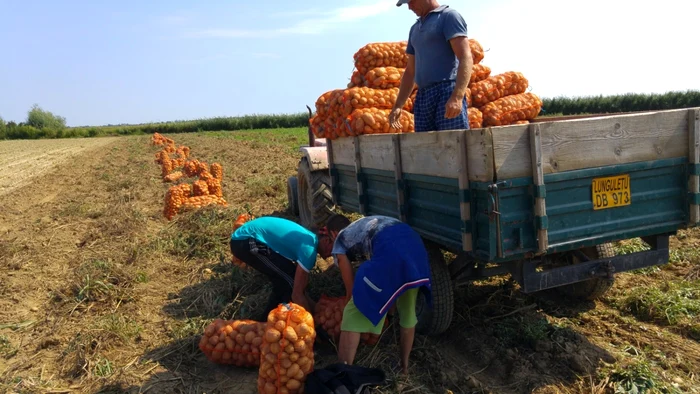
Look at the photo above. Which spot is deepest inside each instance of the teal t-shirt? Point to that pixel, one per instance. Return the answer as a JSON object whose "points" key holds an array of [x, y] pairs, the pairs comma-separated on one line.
{"points": [[285, 237]]}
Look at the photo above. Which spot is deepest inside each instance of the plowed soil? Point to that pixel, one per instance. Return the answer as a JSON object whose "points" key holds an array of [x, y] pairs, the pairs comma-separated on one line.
{"points": [[22, 160], [100, 293]]}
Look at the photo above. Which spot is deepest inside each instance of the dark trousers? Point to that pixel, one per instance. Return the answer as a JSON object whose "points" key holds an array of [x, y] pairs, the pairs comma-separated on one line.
{"points": [[279, 269]]}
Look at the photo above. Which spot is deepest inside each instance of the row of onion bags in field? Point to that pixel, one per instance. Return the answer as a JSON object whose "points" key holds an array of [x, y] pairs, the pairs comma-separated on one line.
{"points": [[176, 167], [363, 107]]}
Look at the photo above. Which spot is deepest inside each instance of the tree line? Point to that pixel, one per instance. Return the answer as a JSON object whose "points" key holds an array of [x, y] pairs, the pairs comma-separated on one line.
{"points": [[44, 124]]}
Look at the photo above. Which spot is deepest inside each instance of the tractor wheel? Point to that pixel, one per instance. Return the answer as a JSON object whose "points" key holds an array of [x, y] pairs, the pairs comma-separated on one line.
{"points": [[315, 198], [436, 320]]}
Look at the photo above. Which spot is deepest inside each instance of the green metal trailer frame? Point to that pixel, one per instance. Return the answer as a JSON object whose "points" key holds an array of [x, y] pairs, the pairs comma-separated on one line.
{"points": [[518, 199]]}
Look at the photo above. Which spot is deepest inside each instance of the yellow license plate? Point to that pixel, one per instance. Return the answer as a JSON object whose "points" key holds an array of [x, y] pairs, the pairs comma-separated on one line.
{"points": [[611, 192]]}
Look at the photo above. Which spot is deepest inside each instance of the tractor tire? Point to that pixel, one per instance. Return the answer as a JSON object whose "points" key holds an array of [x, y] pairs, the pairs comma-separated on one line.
{"points": [[315, 197], [593, 288], [293, 195], [436, 320]]}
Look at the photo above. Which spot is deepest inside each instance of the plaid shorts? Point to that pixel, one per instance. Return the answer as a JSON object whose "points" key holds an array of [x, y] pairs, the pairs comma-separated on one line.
{"points": [[429, 109]]}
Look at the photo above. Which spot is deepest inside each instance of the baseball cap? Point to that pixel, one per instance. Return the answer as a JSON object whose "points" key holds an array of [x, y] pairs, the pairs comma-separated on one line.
{"points": [[400, 2]]}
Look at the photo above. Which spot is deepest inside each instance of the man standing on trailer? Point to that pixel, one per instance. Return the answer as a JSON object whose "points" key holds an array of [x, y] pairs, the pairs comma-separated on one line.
{"points": [[439, 64]]}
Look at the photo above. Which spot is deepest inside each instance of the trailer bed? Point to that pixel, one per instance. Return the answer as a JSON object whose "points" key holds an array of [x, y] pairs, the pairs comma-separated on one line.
{"points": [[504, 193]]}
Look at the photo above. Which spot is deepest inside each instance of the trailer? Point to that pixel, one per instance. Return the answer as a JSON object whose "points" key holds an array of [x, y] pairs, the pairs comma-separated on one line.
{"points": [[541, 202]]}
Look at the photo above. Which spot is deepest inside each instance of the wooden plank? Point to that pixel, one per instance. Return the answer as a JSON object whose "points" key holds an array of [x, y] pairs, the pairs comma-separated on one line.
{"points": [[398, 174], [434, 153], [582, 116], [480, 155], [377, 151], [464, 206], [585, 143], [538, 178], [344, 151], [694, 158]]}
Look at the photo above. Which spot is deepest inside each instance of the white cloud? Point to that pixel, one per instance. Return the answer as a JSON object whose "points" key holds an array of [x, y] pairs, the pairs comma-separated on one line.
{"points": [[319, 23]]}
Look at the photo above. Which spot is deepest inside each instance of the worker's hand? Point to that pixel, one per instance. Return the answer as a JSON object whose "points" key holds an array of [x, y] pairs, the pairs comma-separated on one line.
{"points": [[394, 117], [453, 107]]}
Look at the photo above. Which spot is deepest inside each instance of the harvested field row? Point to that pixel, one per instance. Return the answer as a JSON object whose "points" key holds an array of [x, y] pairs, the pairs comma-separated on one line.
{"points": [[23, 160]]}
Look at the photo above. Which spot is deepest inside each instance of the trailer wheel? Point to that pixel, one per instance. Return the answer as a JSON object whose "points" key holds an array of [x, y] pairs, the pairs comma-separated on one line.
{"points": [[436, 320], [292, 195], [315, 198], [593, 288]]}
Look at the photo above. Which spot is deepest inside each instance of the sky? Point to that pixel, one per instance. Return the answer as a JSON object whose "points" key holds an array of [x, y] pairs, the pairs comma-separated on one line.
{"points": [[115, 62]]}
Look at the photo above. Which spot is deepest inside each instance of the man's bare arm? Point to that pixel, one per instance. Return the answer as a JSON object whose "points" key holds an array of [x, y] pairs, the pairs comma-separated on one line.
{"points": [[460, 46], [405, 90]]}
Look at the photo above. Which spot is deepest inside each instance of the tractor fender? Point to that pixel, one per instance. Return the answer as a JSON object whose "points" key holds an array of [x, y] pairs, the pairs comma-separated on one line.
{"points": [[316, 156]]}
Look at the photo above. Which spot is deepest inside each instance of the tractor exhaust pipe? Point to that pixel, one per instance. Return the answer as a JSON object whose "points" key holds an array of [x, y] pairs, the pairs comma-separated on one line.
{"points": [[312, 137]]}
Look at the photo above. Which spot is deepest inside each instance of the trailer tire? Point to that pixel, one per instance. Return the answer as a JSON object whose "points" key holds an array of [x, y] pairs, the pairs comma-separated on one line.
{"points": [[593, 288], [315, 198], [436, 320], [293, 195]]}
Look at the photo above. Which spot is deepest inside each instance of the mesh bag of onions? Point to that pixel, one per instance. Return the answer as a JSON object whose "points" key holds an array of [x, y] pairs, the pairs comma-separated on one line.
{"points": [[287, 355]]}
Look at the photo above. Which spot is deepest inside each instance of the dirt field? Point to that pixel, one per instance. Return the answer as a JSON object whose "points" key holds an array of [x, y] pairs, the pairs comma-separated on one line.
{"points": [[99, 293], [23, 160]]}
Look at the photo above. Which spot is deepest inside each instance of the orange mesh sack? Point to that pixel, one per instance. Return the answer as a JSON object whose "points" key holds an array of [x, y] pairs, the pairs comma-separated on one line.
{"points": [[383, 77], [202, 201], [236, 342], [357, 79], [323, 102], [329, 315], [166, 166], [170, 147], [334, 127], [316, 123], [477, 51], [200, 188], [479, 73], [174, 198], [476, 118], [376, 121], [183, 151], [381, 54], [158, 139], [497, 86], [240, 220], [287, 355], [173, 176], [510, 109], [178, 163], [190, 167], [364, 97], [161, 155], [202, 167], [217, 170], [214, 187]]}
